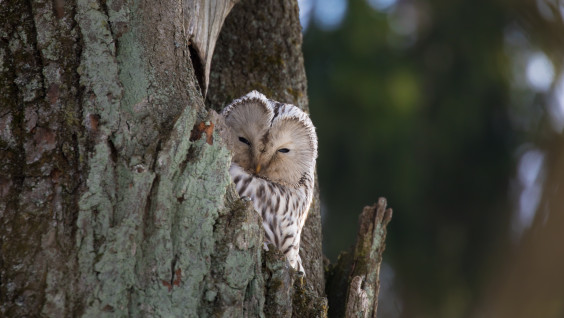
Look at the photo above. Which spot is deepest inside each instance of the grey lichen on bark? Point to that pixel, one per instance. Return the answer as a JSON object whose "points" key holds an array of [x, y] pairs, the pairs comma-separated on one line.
{"points": [[235, 285], [104, 198], [153, 195]]}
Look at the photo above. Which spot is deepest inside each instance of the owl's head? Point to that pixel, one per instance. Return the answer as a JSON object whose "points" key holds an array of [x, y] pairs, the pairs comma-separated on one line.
{"points": [[271, 140]]}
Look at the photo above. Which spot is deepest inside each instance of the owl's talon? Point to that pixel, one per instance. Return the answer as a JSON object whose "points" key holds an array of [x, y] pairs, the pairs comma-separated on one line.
{"points": [[265, 246], [245, 198]]}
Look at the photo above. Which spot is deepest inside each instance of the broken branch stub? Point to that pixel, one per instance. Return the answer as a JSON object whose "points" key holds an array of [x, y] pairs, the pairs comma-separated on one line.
{"points": [[353, 283], [365, 274]]}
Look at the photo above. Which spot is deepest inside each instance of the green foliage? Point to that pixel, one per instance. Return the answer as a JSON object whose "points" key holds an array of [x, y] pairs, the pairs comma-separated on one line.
{"points": [[422, 119]]}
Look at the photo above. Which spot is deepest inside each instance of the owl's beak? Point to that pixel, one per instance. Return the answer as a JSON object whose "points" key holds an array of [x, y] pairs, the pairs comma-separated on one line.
{"points": [[258, 168]]}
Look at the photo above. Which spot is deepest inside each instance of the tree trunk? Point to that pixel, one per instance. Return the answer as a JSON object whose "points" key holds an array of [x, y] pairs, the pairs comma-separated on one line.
{"points": [[115, 197]]}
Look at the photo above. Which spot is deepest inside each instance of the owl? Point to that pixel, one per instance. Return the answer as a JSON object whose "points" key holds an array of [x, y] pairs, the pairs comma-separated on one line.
{"points": [[274, 147]]}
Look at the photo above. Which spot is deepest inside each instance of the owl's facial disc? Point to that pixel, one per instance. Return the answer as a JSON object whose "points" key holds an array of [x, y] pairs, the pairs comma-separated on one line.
{"points": [[273, 158], [272, 141]]}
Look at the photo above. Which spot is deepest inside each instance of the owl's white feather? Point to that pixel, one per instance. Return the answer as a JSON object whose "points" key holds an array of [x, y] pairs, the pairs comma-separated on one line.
{"points": [[274, 148]]}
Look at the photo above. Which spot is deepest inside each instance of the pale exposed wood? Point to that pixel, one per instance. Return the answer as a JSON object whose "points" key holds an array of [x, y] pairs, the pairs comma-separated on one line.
{"points": [[205, 19]]}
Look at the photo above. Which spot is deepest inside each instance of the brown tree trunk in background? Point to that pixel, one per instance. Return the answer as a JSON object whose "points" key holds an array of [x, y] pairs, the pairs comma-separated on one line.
{"points": [[529, 281], [112, 201]]}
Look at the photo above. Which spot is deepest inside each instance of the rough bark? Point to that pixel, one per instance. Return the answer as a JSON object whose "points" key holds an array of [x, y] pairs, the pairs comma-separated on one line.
{"points": [[107, 206], [40, 172], [115, 197]]}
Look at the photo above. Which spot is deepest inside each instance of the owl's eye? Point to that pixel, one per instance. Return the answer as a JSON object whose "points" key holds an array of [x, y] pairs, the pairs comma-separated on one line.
{"points": [[243, 140], [284, 150]]}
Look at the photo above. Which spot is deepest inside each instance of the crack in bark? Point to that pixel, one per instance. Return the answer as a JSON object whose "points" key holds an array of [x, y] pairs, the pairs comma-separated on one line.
{"points": [[198, 67], [147, 215]]}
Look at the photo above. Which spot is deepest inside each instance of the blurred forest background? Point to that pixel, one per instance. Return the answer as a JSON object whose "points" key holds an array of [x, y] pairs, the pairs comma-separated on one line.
{"points": [[454, 111]]}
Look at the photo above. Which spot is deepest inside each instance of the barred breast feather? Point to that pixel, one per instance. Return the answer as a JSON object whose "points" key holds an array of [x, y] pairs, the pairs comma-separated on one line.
{"points": [[283, 209]]}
